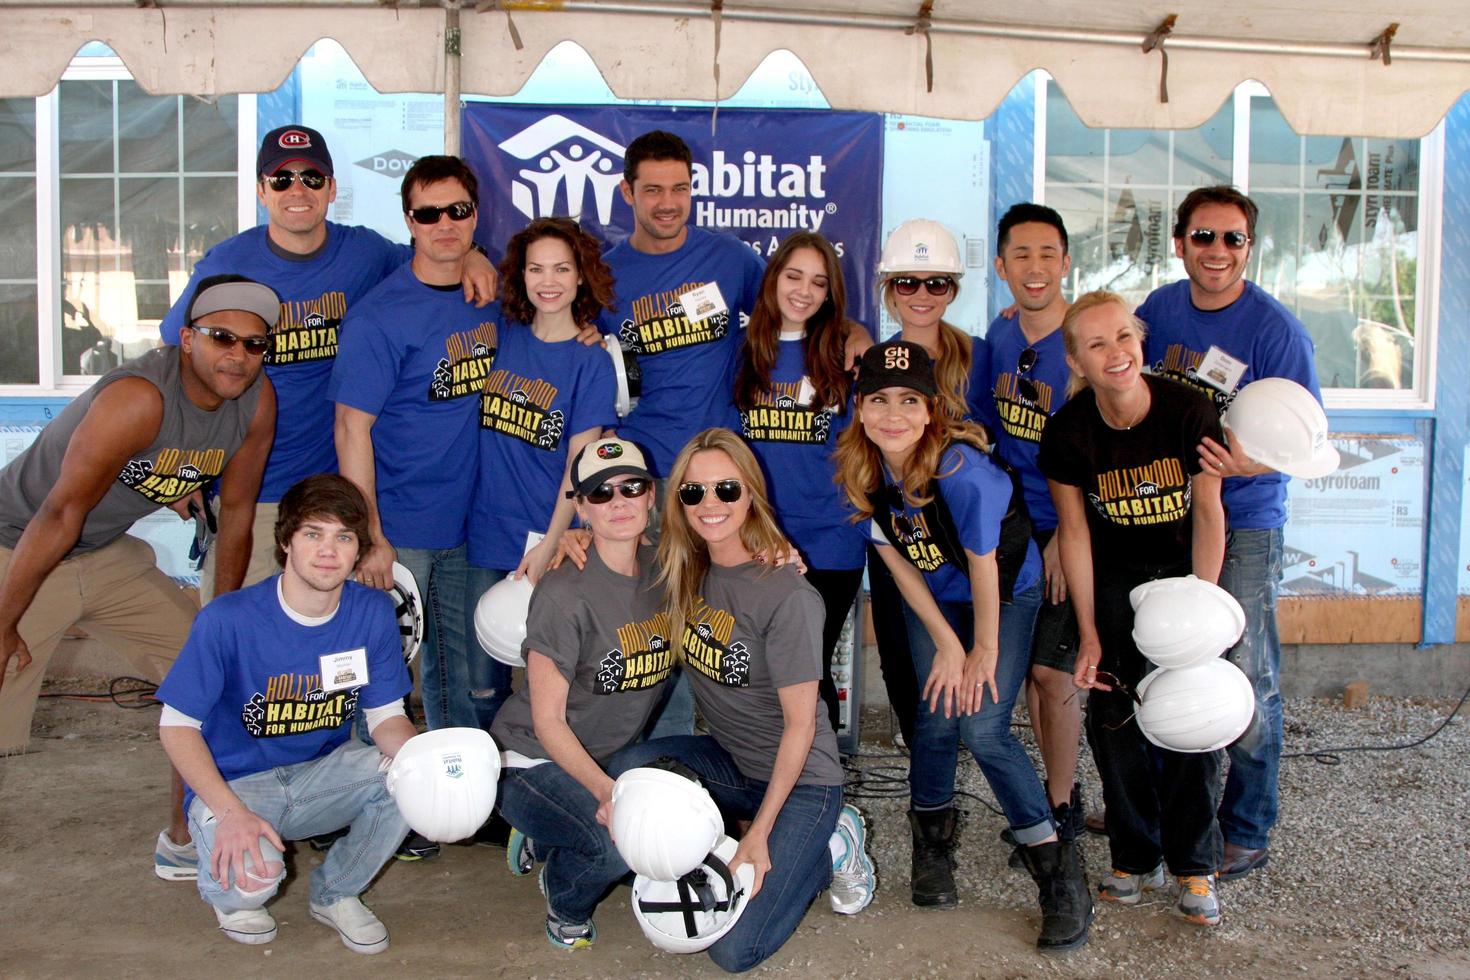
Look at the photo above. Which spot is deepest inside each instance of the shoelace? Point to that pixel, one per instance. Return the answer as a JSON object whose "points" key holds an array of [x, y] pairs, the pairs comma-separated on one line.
{"points": [[1196, 884]]}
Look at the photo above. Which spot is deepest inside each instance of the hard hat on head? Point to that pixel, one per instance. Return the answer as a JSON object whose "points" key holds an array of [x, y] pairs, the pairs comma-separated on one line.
{"points": [[663, 823], [1179, 622], [1279, 424], [500, 619], [1196, 709], [689, 914], [920, 247], [444, 782]]}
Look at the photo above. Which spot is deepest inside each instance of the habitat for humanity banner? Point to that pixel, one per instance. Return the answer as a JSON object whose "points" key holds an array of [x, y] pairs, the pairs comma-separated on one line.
{"points": [[762, 175]]}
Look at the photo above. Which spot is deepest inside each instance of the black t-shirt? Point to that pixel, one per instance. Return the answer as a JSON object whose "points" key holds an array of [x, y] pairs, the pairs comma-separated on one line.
{"points": [[1135, 481]]}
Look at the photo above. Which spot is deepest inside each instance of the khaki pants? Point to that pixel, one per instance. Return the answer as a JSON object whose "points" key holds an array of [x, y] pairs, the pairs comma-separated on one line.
{"points": [[118, 595], [262, 554]]}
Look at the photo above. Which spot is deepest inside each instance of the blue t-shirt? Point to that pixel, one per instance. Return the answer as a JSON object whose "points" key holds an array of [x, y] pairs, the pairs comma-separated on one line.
{"points": [[316, 291], [1255, 329], [537, 397], [978, 494], [1016, 422], [417, 357], [687, 369], [253, 676], [795, 446]]}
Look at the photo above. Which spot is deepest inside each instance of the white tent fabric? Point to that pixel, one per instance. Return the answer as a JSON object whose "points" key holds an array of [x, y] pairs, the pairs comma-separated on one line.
{"points": [[1314, 55]]}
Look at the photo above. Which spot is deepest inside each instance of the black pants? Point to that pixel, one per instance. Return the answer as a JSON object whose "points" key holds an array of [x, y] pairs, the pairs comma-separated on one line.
{"points": [[1160, 804], [891, 633], [838, 588]]}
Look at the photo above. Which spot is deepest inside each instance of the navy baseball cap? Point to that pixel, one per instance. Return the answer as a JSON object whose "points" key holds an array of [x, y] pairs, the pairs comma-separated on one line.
{"points": [[286, 143], [896, 364]]}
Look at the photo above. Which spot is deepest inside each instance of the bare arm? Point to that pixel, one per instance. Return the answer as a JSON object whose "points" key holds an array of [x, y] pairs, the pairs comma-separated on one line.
{"points": [[239, 486], [122, 421], [534, 563], [799, 728], [858, 341], [1207, 541], [948, 672], [354, 434], [391, 733], [1076, 548], [549, 716], [480, 279]]}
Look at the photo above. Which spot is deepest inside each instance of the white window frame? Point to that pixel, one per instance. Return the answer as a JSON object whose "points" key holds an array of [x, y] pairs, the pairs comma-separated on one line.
{"points": [[52, 381], [1421, 397]]}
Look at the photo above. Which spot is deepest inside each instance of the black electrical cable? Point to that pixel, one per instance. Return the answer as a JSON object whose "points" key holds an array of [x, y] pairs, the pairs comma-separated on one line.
{"points": [[1332, 755]]}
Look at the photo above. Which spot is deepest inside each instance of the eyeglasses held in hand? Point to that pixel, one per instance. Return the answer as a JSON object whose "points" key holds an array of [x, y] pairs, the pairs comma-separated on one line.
{"points": [[458, 211], [603, 492], [254, 346], [1234, 240], [934, 285], [1024, 364], [690, 494], [312, 180]]}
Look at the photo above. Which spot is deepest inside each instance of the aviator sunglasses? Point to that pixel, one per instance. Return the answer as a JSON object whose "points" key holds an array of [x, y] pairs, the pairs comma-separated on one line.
{"points": [[312, 180], [458, 211], [728, 491], [934, 285], [1234, 240], [603, 492], [254, 346], [1024, 385]]}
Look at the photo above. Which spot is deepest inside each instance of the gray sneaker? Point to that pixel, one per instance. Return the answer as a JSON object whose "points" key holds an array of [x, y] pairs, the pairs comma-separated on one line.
{"points": [[1197, 900], [360, 930], [559, 932], [854, 878], [175, 862], [253, 927], [1127, 889]]}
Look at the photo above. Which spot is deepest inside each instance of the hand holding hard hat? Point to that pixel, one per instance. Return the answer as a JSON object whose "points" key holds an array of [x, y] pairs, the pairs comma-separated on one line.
{"points": [[1279, 425]]}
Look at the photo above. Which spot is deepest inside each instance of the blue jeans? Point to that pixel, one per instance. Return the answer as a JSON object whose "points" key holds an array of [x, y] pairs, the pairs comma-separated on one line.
{"points": [[496, 690], [341, 789], [451, 664], [987, 732], [553, 809], [676, 715], [1251, 573], [801, 865]]}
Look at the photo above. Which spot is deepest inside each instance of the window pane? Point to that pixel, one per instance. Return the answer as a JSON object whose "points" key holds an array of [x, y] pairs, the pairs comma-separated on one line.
{"points": [[18, 218], [1138, 156], [85, 127], [1393, 165], [148, 130], [20, 358], [149, 225], [210, 134], [1202, 156], [17, 134], [209, 216], [94, 298], [1275, 150], [1074, 153]]}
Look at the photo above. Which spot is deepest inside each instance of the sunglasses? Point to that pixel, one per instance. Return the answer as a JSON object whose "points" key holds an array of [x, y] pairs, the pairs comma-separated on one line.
{"points": [[458, 211], [312, 180], [1025, 385], [1234, 240], [728, 491], [934, 285], [603, 492], [254, 346]]}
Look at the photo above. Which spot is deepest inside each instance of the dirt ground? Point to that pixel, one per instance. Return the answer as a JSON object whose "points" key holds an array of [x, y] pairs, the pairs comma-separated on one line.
{"points": [[78, 898]]}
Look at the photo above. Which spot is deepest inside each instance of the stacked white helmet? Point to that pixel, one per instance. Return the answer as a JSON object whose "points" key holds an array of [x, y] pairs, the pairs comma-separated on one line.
{"points": [[445, 782], [1195, 701], [690, 913]]}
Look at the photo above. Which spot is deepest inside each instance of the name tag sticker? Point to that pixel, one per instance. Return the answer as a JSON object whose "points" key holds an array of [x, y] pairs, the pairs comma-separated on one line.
{"points": [[342, 670], [1219, 370], [703, 302]]}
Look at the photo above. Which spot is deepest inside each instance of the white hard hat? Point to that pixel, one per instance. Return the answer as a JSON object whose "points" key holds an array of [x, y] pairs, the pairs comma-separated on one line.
{"points": [[689, 914], [500, 619], [1179, 622], [921, 247], [1197, 709], [445, 781], [623, 401], [1279, 424], [662, 823], [408, 605]]}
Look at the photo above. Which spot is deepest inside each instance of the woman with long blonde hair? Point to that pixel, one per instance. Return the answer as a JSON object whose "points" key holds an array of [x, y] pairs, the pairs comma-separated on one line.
{"points": [[971, 586], [749, 636]]}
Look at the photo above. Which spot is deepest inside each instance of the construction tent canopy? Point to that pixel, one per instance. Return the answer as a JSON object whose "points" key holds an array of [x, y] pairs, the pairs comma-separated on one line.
{"points": [[946, 58]]}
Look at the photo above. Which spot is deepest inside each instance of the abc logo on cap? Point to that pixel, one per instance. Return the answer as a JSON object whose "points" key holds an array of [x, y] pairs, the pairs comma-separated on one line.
{"points": [[609, 450]]}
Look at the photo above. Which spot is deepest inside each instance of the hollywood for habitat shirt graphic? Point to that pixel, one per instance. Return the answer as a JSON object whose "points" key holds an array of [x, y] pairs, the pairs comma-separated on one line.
{"points": [[521, 408], [918, 544], [707, 646], [643, 657], [779, 416], [307, 330], [467, 361], [1132, 496], [1182, 365], [295, 704], [660, 323], [1023, 418], [172, 474]]}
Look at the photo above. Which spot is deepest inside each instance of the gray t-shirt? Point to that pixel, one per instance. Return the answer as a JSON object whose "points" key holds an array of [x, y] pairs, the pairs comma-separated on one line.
{"points": [[189, 452], [753, 631], [609, 637]]}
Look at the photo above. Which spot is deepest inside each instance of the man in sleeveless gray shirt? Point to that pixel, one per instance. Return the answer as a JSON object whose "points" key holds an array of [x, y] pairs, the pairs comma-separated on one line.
{"points": [[148, 434]]}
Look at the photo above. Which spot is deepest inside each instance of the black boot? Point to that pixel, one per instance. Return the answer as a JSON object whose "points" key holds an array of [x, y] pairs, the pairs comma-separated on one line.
{"points": [[934, 840], [1070, 817], [1066, 902]]}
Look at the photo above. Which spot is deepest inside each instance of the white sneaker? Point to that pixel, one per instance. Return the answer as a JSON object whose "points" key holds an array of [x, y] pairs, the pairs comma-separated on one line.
{"points": [[854, 878], [253, 927], [175, 862], [360, 930]]}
